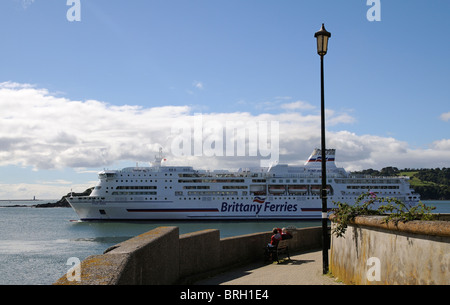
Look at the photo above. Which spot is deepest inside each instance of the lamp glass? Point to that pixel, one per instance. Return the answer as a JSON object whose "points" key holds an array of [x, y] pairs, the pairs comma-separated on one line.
{"points": [[322, 37], [322, 44]]}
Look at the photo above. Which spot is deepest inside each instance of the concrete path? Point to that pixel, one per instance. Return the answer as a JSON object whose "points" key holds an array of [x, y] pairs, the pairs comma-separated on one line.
{"points": [[303, 269]]}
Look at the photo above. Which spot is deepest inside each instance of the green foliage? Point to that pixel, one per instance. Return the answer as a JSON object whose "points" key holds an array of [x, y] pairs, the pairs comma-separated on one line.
{"points": [[430, 183], [397, 211], [436, 175], [394, 210], [432, 192]]}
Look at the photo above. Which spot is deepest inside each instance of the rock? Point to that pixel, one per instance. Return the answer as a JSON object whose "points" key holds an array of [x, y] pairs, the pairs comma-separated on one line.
{"points": [[63, 203]]}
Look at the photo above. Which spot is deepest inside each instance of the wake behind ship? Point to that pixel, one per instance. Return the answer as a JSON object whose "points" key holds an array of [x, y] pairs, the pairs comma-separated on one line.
{"points": [[163, 192]]}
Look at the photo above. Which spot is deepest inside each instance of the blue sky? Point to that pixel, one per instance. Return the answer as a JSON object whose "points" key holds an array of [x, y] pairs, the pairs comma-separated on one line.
{"points": [[104, 91]]}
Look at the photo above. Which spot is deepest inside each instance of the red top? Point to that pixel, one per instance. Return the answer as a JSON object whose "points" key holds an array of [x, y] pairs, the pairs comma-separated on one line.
{"points": [[275, 239]]}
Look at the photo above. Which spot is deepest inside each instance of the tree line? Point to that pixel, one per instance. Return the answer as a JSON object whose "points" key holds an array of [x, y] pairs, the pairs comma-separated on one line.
{"points": [[430, 183]]}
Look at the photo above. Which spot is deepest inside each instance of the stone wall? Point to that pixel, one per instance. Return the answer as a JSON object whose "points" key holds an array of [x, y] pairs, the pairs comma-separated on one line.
{"points": [[372, 252], [163, 257]]}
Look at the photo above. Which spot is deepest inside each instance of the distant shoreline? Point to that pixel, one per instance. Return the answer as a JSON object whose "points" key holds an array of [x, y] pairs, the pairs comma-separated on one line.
{"points": [[41, 205], [26, 200], [52, 203]]}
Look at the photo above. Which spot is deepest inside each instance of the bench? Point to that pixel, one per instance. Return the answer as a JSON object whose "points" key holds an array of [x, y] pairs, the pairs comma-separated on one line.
{"points": [[276, 252]]}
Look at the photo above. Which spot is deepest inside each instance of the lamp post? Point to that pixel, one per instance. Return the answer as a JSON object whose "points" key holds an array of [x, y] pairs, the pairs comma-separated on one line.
{"points": [[322, 37]]}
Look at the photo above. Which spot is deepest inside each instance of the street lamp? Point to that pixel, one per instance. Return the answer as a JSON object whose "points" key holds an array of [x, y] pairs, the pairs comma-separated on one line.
{"points": [[322, 37], [322, 40]]}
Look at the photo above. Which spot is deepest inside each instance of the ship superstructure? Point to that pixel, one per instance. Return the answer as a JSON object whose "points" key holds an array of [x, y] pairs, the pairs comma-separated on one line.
{"points": [[181, 192]]}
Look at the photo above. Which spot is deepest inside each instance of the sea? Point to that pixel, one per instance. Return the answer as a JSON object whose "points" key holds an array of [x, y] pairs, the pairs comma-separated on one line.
{"points": [[38, 245]]}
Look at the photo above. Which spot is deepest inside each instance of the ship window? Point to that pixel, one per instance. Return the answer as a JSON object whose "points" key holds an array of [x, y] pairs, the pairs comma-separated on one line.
{"points": [[102, 212]]}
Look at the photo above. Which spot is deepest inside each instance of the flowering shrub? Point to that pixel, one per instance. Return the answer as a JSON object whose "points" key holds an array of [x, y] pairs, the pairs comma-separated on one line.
{"points": [[394, 209]]}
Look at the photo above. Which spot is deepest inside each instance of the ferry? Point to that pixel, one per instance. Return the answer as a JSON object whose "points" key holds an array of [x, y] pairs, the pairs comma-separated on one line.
{"points": [[160, 192]]}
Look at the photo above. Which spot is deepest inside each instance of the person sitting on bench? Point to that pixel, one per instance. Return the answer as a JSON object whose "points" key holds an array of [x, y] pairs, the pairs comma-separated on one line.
{"points": [[268, 250], [285, 234], [276, 237]]}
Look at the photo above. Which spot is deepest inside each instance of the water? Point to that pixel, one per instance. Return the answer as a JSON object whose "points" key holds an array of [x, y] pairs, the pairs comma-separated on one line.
{"points": [[35, 244]]}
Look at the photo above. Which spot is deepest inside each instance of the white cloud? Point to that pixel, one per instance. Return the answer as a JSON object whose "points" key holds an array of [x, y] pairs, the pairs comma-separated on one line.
{"points": [[56, 182], [445, 116], [334, 118], [43, 131], [198, 85], [298, 105], [443, 144], [26, 3]]}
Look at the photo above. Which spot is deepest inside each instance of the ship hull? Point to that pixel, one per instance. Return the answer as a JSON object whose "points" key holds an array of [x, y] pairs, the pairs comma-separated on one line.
{"points": [[88, 209], [299, 209]]}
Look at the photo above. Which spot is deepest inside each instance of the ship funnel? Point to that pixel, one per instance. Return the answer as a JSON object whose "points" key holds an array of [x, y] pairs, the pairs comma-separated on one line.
{"points": [[158, 159], [315, 160]]}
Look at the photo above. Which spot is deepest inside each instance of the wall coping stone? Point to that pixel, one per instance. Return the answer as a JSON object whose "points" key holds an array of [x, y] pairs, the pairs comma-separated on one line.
{"points": [[424, 227]]}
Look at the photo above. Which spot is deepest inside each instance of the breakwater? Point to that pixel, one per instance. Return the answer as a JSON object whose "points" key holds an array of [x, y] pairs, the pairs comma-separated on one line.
{"points": [[163, 257]]}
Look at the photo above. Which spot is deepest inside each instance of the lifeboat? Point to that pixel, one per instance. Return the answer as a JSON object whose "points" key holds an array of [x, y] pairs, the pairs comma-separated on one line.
{"points": [[277, 189], [298, 189], [315, 189]]}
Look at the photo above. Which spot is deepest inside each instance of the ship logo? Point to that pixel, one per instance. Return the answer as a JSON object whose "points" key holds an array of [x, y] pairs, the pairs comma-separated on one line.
{"points": [[259, 200]]}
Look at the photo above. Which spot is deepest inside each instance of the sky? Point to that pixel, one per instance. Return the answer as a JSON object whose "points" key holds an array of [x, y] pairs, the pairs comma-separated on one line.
{"points": [[87, 85]]}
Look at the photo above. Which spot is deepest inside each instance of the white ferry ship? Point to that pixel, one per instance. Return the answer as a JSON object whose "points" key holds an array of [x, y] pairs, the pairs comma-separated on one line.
{"points": [[163, 192]]}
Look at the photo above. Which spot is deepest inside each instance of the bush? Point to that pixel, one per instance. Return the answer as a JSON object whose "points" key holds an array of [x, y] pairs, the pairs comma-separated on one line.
{"points": [[394, 209]]}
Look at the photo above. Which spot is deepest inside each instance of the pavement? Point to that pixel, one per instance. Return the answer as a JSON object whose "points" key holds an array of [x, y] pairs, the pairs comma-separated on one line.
{"points": [[303, 269]]}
